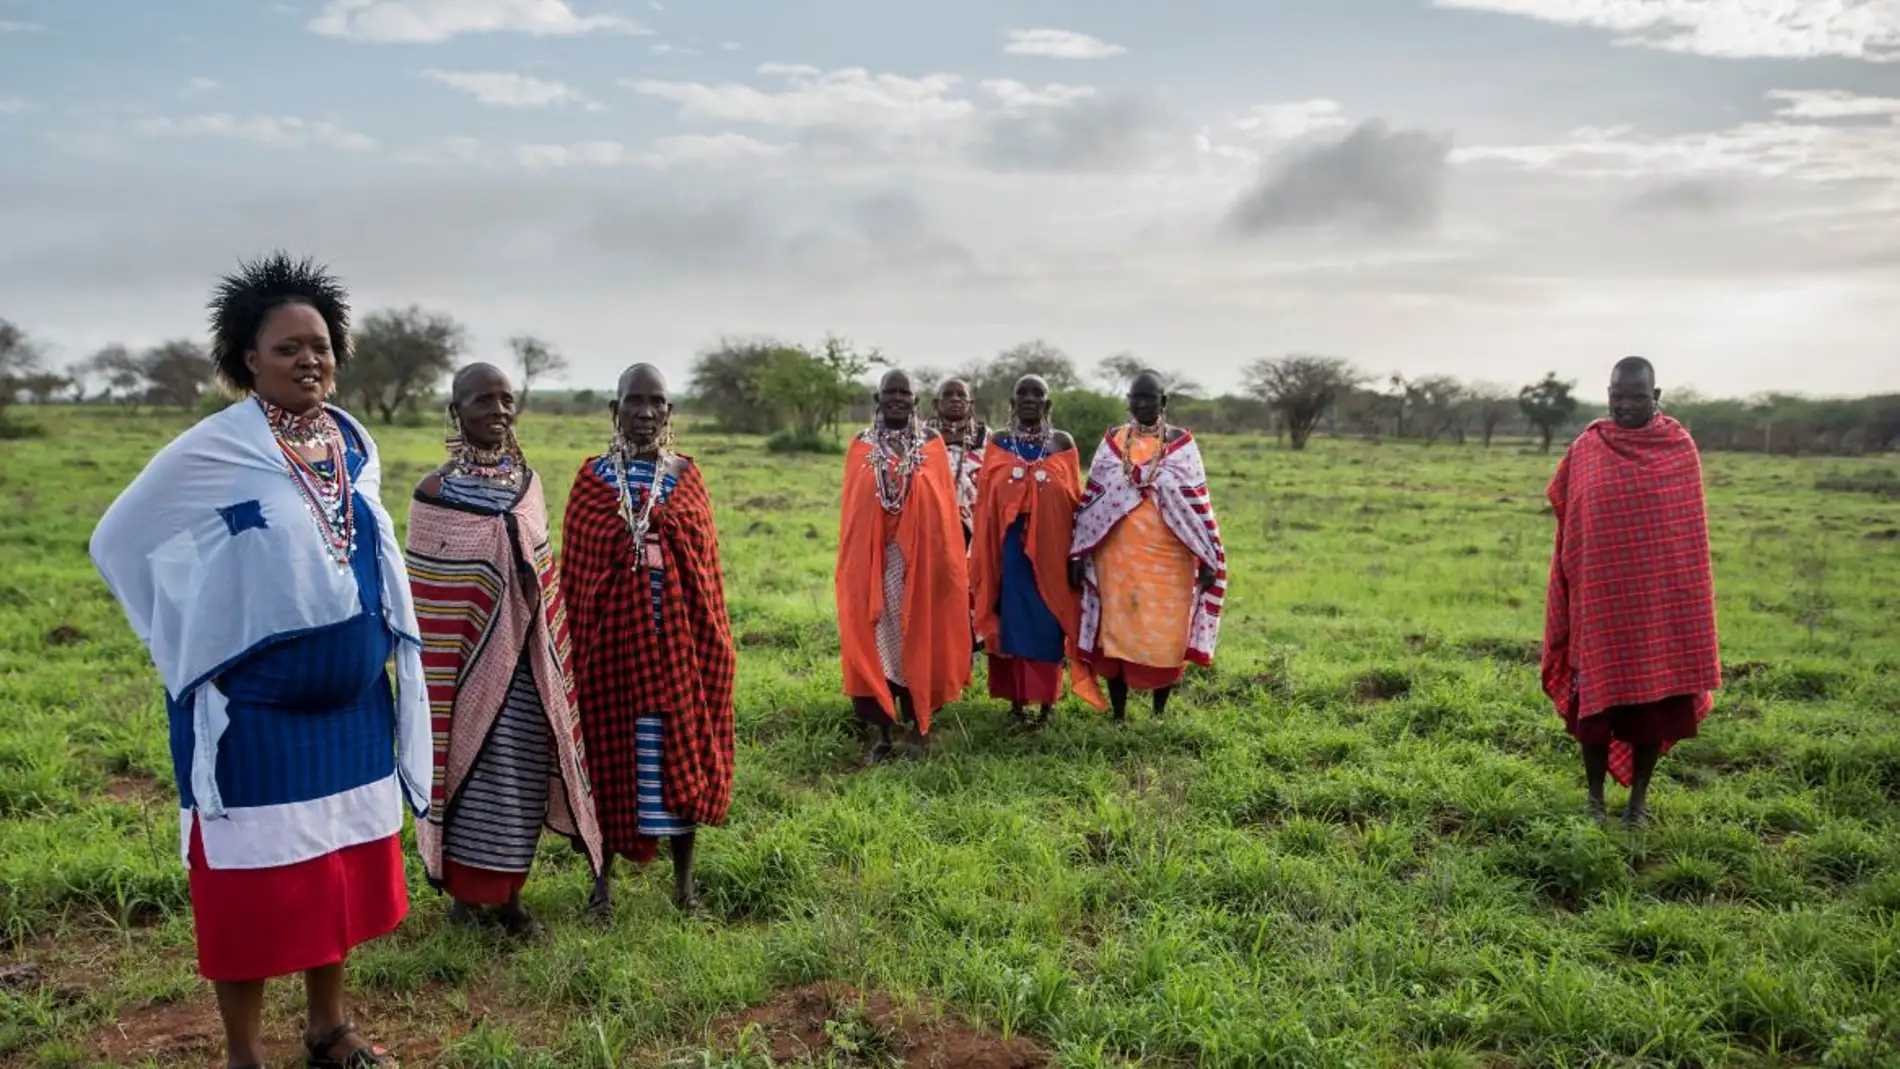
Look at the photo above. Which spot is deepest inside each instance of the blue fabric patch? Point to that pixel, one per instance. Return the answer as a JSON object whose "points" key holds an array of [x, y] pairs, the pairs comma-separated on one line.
{"points": [[244, 516]]}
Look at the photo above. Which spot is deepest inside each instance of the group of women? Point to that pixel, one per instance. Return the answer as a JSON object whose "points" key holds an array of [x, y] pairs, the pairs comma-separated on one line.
{"points": [[594, 697]]}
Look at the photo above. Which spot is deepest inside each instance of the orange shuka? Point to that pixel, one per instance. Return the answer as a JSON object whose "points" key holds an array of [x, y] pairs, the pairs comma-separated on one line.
{"points": [[936, 609], [1002, 495]]}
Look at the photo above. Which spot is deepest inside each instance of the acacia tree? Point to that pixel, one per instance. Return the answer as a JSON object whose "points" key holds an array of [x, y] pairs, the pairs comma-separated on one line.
{"points": [[1548, 404], [177, 372], [1301, 387], [401, 354], [726, 381], [123, 373], [1115, 372], [1491, 404], [1437, 400], [992, 384], [19, 361], [537, 360]]}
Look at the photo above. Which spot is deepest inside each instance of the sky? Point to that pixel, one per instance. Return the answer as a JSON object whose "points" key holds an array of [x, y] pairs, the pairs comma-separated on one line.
{"points": [[1483, 188]]}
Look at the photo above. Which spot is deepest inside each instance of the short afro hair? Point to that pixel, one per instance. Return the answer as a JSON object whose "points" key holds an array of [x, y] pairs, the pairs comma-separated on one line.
{"points": [[248, 295]]}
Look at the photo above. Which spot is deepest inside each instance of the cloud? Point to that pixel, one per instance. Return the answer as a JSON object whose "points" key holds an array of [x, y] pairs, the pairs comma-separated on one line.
{"points": [[1290, 121], [1806, 150], [429, 21], [1377, 178], [688, 150], [1831, 104], [505, 89], [9, 26], [15, 105], [852, 99], [197, 86], [272, 131], [1735, 29], [1690, 197], [1059, 44], [730, 46], [1069, 128], [664, 49]]}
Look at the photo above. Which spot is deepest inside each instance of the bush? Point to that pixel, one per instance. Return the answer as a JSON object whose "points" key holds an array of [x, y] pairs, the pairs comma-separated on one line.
{"points": [[13, 430], [800, 442], [1086, 414]]}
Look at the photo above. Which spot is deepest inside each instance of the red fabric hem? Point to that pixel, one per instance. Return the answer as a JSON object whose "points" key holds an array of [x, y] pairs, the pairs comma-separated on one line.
{"points": [[1138, 676], [1013, 679], [253, 924], [480, 887]]}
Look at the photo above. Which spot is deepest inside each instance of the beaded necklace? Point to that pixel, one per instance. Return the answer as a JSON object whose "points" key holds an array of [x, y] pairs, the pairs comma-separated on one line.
{"points": [[896, 454], [502, 466], [1042, 436], [968, 433], [620, 452], [1142, 476], [324, 486]]}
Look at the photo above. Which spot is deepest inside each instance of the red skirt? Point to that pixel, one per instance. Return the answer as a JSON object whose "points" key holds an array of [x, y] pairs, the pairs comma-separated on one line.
{"points": [[1651, 723], [1138, 676], [480, 887], [253, 924], [1013, 679]]}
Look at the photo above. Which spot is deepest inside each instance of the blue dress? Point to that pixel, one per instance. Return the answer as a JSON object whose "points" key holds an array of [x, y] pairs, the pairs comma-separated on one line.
{"points": [[1028, 631]]}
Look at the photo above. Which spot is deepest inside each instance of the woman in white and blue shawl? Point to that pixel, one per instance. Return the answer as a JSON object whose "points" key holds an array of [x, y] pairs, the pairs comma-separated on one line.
{"points": [[255, 560]]}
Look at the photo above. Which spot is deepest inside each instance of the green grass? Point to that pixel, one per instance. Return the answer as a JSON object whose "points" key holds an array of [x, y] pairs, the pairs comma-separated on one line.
{"points": [[1358, 842]]}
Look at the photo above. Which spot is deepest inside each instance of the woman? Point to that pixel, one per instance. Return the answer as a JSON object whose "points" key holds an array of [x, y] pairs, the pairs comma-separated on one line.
{"points": [[964, 436], [1027, 611], [654, 661], [255, 560], [903, 588], [507, 744]]}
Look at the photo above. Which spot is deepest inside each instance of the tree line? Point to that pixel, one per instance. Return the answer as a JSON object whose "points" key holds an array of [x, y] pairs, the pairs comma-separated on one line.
{"points": [[800, 394]]}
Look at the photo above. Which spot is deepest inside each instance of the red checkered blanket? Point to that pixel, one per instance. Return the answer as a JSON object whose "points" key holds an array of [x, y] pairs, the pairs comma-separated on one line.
{"points": [[625, 667], [1630, 617]]}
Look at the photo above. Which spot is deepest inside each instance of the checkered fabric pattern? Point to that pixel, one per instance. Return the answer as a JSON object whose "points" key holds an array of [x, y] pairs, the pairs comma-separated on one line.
{"points": [[1630, 616], [626, 667]]}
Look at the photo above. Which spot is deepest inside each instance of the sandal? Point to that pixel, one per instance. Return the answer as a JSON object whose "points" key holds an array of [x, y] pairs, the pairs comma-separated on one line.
{"points": [[366, 1057]]}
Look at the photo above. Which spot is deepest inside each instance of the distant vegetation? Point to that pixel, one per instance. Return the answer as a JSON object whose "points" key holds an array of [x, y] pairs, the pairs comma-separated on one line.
{"points": [[801, 395]]}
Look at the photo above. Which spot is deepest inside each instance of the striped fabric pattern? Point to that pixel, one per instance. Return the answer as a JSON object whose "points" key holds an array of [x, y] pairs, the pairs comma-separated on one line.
{"points": [[455, 605], [495, 822], [655, 820], [640, 474], [479, 493]]}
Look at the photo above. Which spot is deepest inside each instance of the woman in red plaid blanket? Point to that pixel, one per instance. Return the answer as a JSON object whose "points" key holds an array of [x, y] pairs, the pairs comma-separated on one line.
{"points": [[653, 652], [1630, 654]]}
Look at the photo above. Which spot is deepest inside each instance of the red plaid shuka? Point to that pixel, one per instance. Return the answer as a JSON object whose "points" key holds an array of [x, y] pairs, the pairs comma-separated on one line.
{"points": [[625, 667], [1630, 617]]}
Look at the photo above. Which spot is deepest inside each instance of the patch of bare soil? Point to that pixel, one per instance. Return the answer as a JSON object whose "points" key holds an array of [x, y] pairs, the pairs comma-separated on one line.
{"points": [[169, 1033], [871, 1029]]}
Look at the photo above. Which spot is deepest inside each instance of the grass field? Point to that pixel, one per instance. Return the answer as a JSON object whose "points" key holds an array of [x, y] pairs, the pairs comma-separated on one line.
{"points": [[1359, 842]]}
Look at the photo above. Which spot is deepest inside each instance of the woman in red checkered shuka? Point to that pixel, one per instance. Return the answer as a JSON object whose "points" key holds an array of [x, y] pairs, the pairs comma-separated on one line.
{"points": [[653, 652], [1630, 650]]}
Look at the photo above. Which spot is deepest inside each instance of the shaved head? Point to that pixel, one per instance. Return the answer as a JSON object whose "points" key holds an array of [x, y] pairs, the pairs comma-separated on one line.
{"points": [[468, 378], [1150, 379], [950, 384], [642, 377], [1633, 393], [892, 380]]}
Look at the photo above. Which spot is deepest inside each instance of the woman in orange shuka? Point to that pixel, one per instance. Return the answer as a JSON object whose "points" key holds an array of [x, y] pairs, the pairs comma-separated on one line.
{"points": [[1027, 610], [903, 580]]}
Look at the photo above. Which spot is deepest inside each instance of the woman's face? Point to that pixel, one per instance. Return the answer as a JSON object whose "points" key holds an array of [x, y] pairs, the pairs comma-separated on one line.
{"points": [[485, 408], [292, 364]]}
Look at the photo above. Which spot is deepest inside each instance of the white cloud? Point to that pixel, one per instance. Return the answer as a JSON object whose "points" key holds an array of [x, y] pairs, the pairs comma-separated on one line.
{"points": [[15, 105], [690, 150], [1291, 121], [506, 89], [853, 98], [730, 46], [427, 21], [273, 131], [7, 26], [1807, 151], [1016, 95], [1059, 44], [1832, 104], [664, 49], [1789, 29], [197, 86]]}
